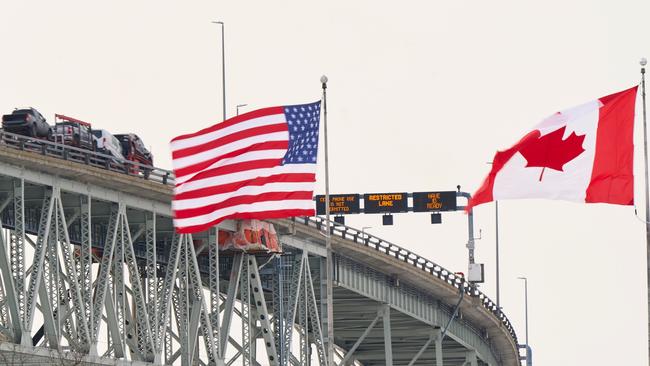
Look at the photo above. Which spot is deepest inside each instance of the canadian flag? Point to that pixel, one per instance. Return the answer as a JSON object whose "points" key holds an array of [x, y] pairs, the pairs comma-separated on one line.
{"points": [[582, 154]]}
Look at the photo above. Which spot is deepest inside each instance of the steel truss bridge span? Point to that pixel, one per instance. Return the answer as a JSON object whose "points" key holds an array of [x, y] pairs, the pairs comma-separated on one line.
{"points": [[93, 273]]}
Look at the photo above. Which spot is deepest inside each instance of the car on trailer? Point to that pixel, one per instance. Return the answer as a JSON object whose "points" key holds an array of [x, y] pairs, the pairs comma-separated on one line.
{"points": [[134, 150], [108, 144], [73, 132], [27, 122]]}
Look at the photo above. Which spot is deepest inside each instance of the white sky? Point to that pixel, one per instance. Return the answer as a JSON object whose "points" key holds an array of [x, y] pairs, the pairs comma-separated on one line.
{"points": [[421, 95]]}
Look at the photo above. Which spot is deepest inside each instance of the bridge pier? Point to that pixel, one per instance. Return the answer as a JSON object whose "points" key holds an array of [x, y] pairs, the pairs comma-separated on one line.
{"points": [[438, 348], [388, 341], [470, 358]]}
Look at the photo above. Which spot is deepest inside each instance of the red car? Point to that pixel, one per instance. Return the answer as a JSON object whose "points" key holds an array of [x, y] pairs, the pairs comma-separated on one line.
{"points": [[133, 149]]}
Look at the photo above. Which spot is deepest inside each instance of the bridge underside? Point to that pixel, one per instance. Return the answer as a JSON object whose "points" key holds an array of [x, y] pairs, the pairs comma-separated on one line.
{"points": [[356, 316]]}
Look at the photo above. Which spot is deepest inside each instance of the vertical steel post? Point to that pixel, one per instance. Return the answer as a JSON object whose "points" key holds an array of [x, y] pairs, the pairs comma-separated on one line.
{"points": [[223, 65], [86, 259], [215, 300], [388, 339], [328, 238], [438, 349], [525, 305], [17, 258], [470, 230]]}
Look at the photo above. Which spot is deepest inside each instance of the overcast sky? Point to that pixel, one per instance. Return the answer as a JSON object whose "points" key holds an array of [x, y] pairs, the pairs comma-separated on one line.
{"points": [[421, 95]]}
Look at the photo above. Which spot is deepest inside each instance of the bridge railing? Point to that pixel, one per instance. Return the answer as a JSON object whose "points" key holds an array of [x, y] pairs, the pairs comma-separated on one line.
{"points": [[415, 260], [87, 157]]}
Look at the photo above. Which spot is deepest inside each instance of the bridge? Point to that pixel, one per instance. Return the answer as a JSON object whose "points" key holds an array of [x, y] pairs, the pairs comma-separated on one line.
{"points": [[94, 274]]}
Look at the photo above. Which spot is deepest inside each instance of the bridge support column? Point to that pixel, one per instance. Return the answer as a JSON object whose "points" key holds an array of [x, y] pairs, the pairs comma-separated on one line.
{"points": [[438, 347], [350, 353], [470, 358], [388, 341], [432, 337]]}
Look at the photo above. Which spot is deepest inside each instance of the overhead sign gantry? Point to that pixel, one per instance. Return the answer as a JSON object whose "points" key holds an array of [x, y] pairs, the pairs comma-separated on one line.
{"points": [[390, 203]]}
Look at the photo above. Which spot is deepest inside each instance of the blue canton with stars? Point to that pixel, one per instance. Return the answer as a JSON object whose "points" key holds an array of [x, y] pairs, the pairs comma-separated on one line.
{"points": [[303, 121]]}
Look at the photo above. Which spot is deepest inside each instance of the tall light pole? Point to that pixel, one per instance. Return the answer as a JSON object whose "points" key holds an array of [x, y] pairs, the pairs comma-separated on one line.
{"points": [[240, 105], [526, 305], [223, 65]]}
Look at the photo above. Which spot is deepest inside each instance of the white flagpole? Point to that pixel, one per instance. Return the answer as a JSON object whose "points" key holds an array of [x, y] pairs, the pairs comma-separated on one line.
{"points": [[647, 190], [328, 238]]}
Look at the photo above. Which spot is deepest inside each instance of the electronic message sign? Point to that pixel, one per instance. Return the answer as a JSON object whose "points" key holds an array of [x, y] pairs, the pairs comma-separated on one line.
{"points": [[385, 202], [340, 204], [434, 201]]}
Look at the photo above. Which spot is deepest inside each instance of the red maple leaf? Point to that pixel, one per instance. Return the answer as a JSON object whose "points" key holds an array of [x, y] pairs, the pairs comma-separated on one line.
{"points": [[551, 151]]}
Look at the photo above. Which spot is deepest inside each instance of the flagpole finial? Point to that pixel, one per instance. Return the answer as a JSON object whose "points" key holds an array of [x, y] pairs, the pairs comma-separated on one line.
{"points": [[643, 62], [323, 80]]}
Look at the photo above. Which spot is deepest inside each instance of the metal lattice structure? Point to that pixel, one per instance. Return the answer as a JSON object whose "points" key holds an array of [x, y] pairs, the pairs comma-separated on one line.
{"points": [[92, 272]]}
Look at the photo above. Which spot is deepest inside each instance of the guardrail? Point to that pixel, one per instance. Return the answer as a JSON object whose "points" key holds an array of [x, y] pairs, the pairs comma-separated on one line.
{"points": [[413, 259], [87, 157]]}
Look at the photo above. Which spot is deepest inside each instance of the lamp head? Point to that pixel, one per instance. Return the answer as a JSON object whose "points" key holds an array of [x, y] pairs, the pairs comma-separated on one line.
{"points": [[643, 61], [323, 79]]}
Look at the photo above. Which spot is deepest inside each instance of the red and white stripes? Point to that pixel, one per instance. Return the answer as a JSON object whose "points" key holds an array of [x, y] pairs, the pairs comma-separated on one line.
{"points": [[234, 170]]}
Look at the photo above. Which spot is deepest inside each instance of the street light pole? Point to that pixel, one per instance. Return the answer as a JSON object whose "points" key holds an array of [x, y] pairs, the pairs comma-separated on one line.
{"points": [[223, 65], [240, 105], [526, 307]]}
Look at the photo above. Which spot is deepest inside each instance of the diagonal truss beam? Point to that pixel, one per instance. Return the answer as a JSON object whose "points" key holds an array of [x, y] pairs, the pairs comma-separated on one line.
{"points": [[10, 291], [101, 284], [39, 256], [144, 327], [350, 353]]}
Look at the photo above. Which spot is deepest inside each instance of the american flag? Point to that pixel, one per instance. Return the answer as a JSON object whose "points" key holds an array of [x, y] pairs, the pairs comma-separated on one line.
{"points": [[258, 165]]}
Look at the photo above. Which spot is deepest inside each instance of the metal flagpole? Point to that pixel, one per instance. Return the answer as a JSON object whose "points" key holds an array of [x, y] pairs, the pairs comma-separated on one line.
{"points": [[496, 211], [328, 238], [647, 198]]}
